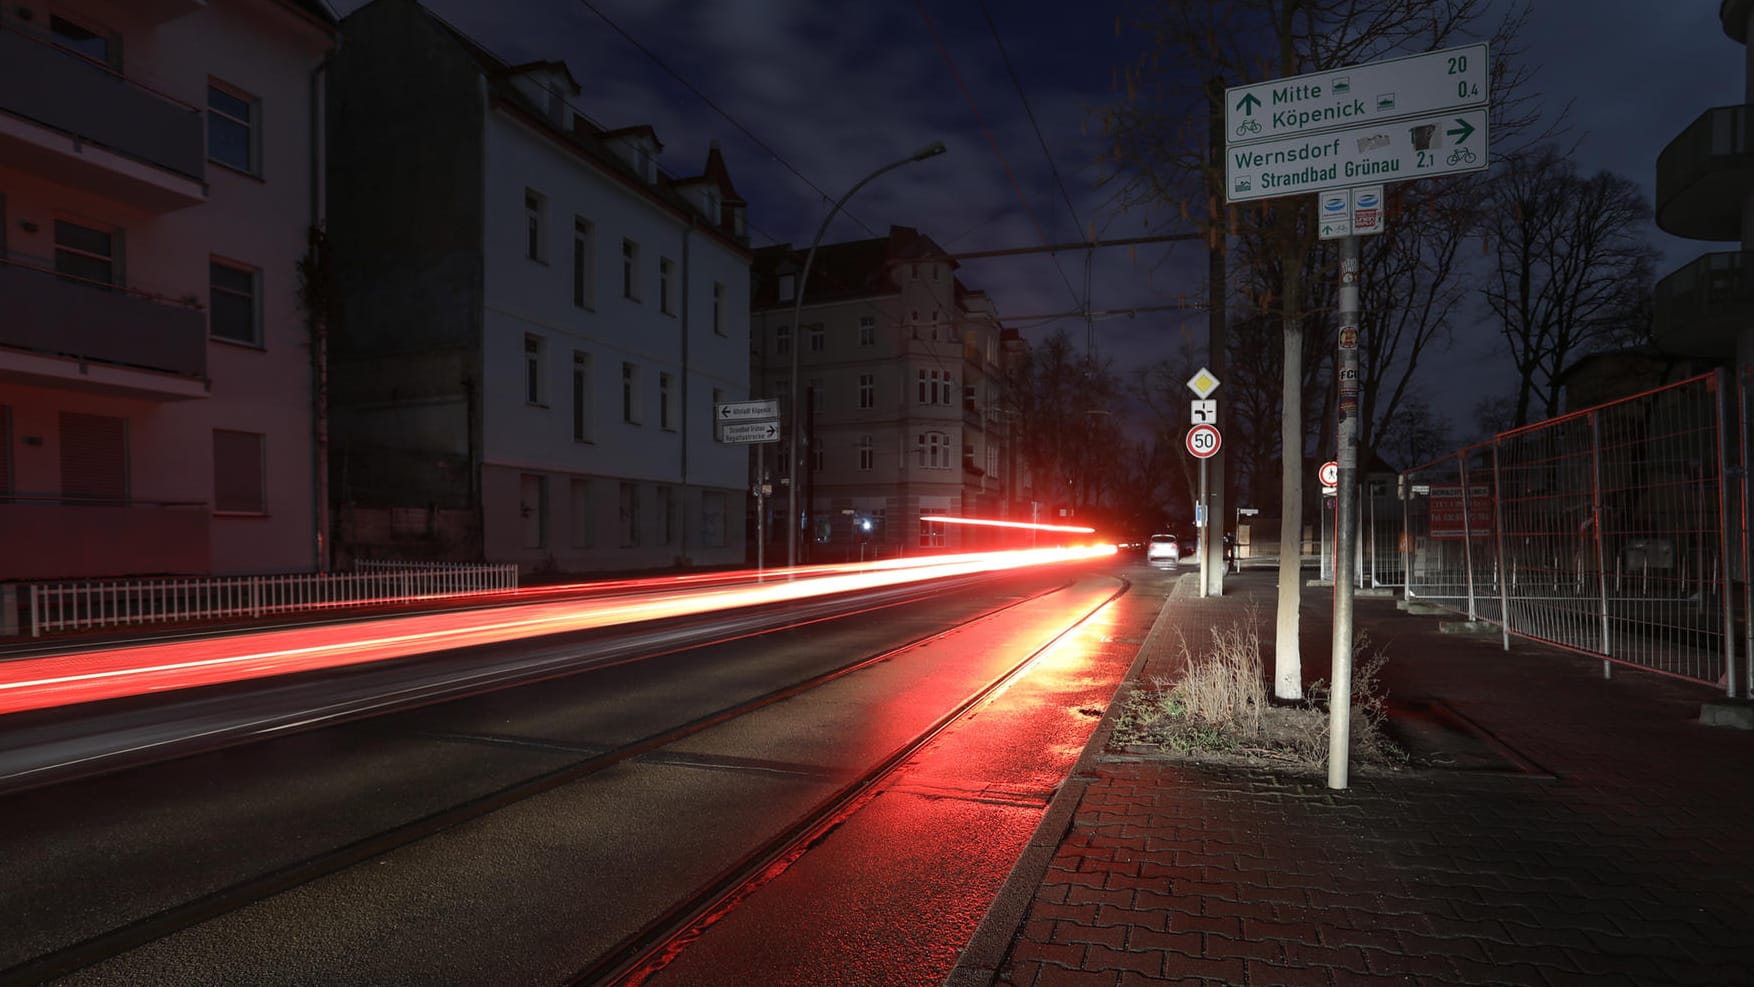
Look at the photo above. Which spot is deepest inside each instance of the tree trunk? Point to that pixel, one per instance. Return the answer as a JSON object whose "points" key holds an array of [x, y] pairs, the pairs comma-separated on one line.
{"points": [[1287, 659]]}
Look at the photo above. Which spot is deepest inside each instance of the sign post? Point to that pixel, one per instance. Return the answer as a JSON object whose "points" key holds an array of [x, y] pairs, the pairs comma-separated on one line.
{"points": [[1203, 443], [1342, 133], [752, 423]]}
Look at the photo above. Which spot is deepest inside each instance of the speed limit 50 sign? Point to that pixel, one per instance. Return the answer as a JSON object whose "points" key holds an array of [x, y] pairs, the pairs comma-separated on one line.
{"points": [[1203, 441]]}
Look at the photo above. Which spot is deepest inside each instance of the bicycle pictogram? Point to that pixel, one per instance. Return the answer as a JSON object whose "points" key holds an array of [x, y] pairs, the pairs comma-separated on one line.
{"points": [[1461, 155], [1248, 127]]}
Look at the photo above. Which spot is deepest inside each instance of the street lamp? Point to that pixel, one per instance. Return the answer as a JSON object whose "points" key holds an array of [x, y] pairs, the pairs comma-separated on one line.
{"points": [[930, 150]]}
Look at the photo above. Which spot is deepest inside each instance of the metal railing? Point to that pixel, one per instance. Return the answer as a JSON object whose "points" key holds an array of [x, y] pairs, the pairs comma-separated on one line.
{"points": [[1605, 531], [64, 606]]}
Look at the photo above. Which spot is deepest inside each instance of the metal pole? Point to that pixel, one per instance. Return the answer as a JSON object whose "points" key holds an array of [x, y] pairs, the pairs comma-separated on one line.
{"points": [[1205, 526], [1743, 442], [760, 507], [1727, 596], [793, 412], [1346, 521]]}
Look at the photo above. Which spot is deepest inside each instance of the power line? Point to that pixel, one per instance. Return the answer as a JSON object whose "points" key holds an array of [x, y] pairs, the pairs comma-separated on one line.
{"points": [[1017, 84]]}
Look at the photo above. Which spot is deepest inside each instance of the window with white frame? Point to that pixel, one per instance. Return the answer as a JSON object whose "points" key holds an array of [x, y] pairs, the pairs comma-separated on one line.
{"points": [[818, 338], [934, 386], [583, 517], [867, 453], [782, 340], [968, 395], [87, 254], [934, 450], [788, 284], [718, 309], [535, 225], [240, 482], [932, 532], [967, 453], [867, 331], [533, 375], [233, 127], [630, 270], [666, 402], [867, 390], [627, 514], [947, 389], [630, 394], [584, 262], [581, 396], [666, 278], [234, 310]]}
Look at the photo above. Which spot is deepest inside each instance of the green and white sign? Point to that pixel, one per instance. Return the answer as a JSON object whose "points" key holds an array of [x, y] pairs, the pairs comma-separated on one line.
{"points": [[1388, 151], [1417, 85]]}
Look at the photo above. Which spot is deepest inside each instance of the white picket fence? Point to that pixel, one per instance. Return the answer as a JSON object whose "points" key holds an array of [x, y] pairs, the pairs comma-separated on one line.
{"points": [[52, 607]]}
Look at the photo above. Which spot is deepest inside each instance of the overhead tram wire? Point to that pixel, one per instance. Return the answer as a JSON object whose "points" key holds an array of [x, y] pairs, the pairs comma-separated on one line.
{"points": [[721, 111], [993, 141]]}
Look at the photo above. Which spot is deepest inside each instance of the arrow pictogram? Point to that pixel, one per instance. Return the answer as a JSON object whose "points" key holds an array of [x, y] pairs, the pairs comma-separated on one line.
{"points": [[1462, 131], [1247, 104]]}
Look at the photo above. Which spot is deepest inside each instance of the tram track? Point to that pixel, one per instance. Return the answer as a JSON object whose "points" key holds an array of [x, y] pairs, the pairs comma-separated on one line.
{"points": [[656, 936]]}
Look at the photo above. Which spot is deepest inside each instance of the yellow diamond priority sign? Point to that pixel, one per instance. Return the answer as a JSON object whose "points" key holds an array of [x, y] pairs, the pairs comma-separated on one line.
{"points": [[1203, 384]]}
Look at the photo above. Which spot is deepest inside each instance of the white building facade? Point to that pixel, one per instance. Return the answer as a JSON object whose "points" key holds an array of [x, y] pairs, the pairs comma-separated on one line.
{"points": [[159, 167], [533, 334]]}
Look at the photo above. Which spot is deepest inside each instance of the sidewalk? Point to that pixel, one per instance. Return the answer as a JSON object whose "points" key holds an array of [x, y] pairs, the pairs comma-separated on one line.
{"points": [[1561, 828]]}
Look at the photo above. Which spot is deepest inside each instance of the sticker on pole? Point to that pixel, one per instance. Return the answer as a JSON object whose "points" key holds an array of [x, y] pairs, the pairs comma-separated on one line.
{"points": [[1203, 441], [1330, 474]]}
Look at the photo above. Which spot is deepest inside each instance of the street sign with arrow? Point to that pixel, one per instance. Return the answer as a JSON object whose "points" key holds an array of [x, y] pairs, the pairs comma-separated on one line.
{"points": [[745, 433], [1426, 83], [1380, 153]]}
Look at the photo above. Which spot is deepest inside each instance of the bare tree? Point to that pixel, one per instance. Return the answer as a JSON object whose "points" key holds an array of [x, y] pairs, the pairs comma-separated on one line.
{"points": [[1067, 426], [1415, 435], [1571, 268], [1165, 162]]}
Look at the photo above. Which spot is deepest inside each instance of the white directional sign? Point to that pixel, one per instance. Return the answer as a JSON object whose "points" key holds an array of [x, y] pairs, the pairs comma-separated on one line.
{"points": [[1428, 83], [1399, 150], [747, 411], [1204, 412], [748, 432]]}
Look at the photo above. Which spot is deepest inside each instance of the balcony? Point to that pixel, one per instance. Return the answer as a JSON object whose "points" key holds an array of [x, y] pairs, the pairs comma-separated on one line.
{"points": [[1700, 308], [1705, 176], [48, 538], [61, 332], [74, 121]]}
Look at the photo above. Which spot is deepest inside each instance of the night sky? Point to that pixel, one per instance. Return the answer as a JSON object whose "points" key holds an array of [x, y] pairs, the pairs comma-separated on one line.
{"points": [[830, 91]]}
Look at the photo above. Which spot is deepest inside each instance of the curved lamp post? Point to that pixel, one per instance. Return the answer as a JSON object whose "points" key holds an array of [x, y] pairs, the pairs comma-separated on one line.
{"points": [[930, 150]]}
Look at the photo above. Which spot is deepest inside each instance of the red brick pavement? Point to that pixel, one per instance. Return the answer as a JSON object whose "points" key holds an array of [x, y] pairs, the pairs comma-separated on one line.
{"points": [[1630, 860]]}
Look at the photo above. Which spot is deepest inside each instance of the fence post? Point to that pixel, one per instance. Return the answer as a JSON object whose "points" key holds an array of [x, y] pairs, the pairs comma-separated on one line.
{"points": [[1498, 540], [1406, 491], [1467, 535], [1596, 527], [1731, 668], [1747, 686]]}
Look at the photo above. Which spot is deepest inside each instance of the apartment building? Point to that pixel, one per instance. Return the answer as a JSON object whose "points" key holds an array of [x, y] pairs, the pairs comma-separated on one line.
{"points": [[534, 318], [159, 167], [901, 369]]}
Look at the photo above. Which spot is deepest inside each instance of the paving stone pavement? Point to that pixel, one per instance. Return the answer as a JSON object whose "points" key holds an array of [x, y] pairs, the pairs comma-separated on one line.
{"points": [[1606, 837]]}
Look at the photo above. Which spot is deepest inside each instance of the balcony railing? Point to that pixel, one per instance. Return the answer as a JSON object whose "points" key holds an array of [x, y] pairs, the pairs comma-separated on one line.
{"points": [[1699, 307], [1705, 175], [88, 101], [58, 315]]}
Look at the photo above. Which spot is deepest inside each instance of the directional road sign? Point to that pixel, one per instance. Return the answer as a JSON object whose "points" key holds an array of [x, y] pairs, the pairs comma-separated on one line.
{"points": [[1399, 150], [1424, 84], [749, 432], [747, 411], [1203, 441]]}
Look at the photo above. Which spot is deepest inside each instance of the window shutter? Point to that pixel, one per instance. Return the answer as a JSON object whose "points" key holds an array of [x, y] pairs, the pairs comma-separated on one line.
{"points": [[94, 457]]}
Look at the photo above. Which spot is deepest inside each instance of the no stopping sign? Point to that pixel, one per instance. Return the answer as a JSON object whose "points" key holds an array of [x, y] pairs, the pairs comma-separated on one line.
{"points": [[1203, 441]]}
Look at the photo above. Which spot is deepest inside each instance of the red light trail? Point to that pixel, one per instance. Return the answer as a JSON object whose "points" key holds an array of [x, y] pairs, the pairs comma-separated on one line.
{"points": [[61, 680]]}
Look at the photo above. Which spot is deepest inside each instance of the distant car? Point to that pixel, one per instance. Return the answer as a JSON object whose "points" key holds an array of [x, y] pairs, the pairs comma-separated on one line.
{"points": [[1163, 548]]}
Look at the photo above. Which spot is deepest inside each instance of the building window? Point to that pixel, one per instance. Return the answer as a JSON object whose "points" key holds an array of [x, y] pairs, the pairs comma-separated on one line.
{"points": [[584, 259], [867, 331], [240, 482], [628, 515], [934, 450], [782, 340], [967, 453], [666, 516], [816, 458], [817, 338], [867, 453], [935, 386], [584, 519], [535, 222], [232, 126], [630, 394], [533, 509], [630, 270], [867, 390], [86, 254], [94, 458], [666, 402], [788, 286], [968, 401], [533, 352], [581, 396], [5, 451], [666, 270], [81, 40], [233, 311], [931, 533], [814, 389], [718, 308]]}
